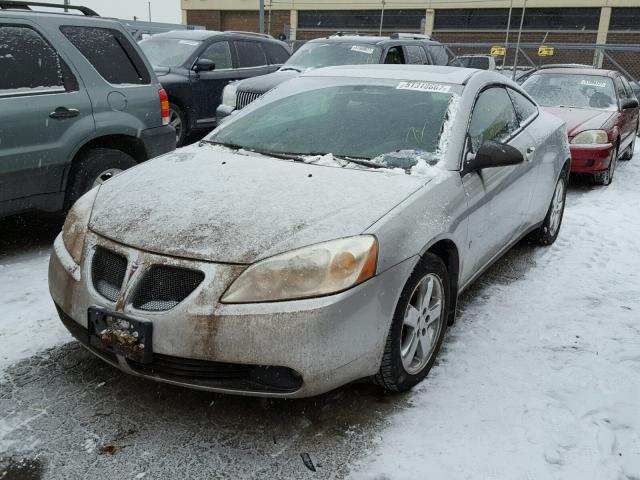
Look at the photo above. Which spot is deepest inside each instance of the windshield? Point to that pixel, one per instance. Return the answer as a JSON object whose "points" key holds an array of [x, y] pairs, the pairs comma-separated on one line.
{"points": [[316, 55], [168, 52], [353, 119], [578, 91]]}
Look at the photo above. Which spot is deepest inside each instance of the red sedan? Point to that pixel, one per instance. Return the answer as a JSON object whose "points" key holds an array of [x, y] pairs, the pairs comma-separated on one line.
{"points": [[601, 112]]}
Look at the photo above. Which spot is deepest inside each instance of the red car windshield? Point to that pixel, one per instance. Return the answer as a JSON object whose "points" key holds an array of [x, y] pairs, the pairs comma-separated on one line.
{"points": [[578, 91]]}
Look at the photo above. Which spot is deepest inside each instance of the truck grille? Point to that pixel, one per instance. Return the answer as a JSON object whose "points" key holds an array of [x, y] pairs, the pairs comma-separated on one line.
{"points": [[245, 98], [107, 273], [162, 287]]}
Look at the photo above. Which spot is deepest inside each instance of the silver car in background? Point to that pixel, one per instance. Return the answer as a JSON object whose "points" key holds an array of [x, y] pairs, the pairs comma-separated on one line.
{"points": [[321, 236]]}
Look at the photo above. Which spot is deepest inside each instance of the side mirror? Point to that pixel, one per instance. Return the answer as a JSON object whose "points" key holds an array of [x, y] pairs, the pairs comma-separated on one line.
{"points": [[493, 154], [631, 103], [204, 65]]}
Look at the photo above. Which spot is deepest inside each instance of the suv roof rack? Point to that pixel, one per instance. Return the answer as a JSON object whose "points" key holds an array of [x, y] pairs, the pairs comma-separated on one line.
{"points": [[263, 35], [410, 36], [349, 34], [25, 5]]}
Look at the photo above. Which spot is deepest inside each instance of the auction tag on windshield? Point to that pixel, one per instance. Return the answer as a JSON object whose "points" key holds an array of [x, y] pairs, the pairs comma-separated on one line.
{"points": [[189, 42], [593, 83], [362, 49], [424, 87]]}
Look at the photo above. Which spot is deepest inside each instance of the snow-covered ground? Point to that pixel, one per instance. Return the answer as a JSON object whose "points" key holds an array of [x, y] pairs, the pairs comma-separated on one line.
{"points": [[538, 379]]}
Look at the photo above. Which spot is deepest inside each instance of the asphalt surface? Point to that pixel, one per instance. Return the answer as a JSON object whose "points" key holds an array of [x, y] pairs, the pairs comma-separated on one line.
{"points": [[77, 417]]}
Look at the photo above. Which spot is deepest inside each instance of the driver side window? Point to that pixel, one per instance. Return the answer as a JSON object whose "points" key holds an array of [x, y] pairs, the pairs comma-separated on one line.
{"points": [[220, 54], [394, 56], [493, 118]]}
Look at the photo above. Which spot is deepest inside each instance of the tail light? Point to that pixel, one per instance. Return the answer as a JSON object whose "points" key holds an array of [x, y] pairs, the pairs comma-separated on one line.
{"points": [[164, 106]]}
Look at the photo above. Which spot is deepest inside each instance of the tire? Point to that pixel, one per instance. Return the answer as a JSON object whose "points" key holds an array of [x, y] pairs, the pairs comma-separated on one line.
{"points": [[605, 178], [631, 149], [550, 228], [400, 373], [93, 167], [178, 120]]}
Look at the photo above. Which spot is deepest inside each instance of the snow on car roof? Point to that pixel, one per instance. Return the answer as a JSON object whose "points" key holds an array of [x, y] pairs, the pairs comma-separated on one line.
{"points": [[431, 73]]}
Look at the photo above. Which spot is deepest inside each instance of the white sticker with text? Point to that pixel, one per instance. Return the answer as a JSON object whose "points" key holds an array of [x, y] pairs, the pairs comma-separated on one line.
{"points": [[424, 87], [361, 49], [593, 83]]}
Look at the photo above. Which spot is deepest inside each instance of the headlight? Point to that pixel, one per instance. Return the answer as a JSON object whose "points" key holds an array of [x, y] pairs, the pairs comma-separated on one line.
{"points": [[75, 226], [320, 269], [229, 95], [591, 137]]}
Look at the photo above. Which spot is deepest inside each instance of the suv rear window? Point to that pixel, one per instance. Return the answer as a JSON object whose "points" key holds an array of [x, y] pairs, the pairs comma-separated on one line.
{"points": [[277, 53], [27, 62], [110, 53], [250, 54]]}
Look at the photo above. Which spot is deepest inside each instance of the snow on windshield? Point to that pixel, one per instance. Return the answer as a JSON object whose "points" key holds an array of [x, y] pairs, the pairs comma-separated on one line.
{"points": [[568, 90], [316, 55]]}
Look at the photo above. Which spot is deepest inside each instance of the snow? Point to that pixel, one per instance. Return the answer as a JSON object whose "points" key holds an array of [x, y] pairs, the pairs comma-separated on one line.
{"points": [[540, 377], [28, 321]]}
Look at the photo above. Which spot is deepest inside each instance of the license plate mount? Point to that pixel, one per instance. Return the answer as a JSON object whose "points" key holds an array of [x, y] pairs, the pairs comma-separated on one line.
{"points": [[120, 335]]}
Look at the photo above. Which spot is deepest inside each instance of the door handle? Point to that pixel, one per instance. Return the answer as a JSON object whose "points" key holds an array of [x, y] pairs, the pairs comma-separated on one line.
{"points": [[64, 112], [530, 152]]}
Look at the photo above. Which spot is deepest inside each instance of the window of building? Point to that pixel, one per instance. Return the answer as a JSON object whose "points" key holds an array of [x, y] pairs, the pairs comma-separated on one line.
{"points": [[250, 54], [220, 54], [625, 18], [534, 18], [365, 19], [110, 53]]}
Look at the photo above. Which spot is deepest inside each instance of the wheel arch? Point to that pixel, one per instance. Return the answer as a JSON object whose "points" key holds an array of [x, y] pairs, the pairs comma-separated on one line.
{"points": [[448, 252]]}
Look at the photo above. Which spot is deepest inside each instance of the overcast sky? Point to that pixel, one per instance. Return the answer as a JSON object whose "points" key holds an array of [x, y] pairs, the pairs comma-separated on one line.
{"points": [[161, 10]]}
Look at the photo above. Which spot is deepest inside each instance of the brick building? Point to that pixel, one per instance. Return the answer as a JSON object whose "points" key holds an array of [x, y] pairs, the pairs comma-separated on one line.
{"points": [[566, 21]]}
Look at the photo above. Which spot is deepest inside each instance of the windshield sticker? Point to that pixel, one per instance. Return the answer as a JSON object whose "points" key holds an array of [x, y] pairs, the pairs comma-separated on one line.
{"points": [[189, 42], [593, 83], [424, 87], [361, 49]]}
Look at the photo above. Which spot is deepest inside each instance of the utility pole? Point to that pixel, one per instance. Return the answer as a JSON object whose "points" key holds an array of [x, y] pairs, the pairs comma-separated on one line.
{"points": [[261, 16], [149, 3], [515, 60], [66, 4], [381, 18]]}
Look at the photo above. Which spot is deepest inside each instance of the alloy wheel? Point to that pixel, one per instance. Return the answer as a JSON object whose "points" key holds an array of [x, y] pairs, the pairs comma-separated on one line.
{"points": [[557, 207], [423, 321], [176, 122]]}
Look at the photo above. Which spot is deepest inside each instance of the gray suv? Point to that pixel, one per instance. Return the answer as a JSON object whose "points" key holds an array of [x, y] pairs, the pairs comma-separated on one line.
{"points": [[78, 104]]}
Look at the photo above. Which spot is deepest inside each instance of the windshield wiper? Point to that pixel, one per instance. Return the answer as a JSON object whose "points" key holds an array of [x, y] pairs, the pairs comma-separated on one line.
{"points": [[232, 146], [365, 162]]}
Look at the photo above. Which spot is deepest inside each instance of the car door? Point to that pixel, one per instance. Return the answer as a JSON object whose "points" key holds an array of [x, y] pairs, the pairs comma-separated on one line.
{"points": [[44, 112], [629, 124], [499, 197]]}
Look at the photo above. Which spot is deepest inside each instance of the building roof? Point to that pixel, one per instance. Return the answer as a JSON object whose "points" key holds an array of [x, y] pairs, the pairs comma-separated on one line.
{"points": [[418, 73]]}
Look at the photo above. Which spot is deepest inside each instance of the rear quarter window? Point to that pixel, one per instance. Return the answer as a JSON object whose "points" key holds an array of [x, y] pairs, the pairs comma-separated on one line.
{"points": [[110, 52], [277, 53]]}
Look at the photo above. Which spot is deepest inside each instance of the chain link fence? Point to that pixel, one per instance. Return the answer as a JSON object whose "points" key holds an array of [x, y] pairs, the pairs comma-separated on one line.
{"points": [[624, 58]]}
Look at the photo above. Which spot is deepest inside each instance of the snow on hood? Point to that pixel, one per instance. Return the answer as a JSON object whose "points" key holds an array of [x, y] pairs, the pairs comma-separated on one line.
{"points": [[580, 119], [210, 204]]}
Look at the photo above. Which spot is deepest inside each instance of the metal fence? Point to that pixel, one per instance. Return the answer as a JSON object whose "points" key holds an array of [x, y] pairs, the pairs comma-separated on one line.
{"points": [[624, 58]]}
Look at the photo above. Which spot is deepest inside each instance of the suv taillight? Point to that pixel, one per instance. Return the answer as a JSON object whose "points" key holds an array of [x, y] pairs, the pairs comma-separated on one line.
{"points": [[164, 106]]}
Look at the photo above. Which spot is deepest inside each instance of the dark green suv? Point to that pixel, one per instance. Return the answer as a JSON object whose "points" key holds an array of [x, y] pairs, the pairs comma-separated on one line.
{"points": [[78, 104]]}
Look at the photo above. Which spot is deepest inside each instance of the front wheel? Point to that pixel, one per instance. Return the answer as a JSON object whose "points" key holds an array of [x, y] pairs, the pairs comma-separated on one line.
{"points": [[417, 328], [550, 228], [605, 178]]}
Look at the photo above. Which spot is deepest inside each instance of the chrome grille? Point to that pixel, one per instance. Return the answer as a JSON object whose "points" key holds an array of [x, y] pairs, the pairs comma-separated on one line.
{"points": [[162, 287], [245, 98], [107, 273]]}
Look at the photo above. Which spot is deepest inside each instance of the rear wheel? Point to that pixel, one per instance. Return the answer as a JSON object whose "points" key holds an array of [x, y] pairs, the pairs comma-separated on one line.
{"points": [[178, 121], [95, 167], [548, 231], [417, 328], [606, 177]]}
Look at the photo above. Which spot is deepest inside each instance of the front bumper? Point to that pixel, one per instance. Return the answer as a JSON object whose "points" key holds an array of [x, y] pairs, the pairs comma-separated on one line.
{"points": [[591, 158], [328, 341], [158, 141]]}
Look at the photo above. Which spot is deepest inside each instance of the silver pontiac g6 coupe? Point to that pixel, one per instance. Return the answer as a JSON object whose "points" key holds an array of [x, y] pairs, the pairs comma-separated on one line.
{"points": [[321, 236]]}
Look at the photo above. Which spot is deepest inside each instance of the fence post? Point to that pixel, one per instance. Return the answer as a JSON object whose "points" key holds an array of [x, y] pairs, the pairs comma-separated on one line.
{"points": [[601, 39]]}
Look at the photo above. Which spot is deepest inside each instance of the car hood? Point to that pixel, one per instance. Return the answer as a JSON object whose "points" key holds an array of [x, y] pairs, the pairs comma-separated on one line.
{"points": [[264, 83], [208, 203], [580, 119]]}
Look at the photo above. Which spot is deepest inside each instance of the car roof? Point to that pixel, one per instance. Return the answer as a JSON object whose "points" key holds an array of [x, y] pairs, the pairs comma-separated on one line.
{"points": [[371, 40], [576, 71], [57, 17], [206, 34], [418, 73]]}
